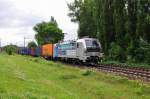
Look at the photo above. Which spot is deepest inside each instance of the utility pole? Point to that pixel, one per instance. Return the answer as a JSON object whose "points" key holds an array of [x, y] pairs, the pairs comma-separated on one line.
{"points": [[0, 46], [25, 38], [0, 42], [24, 42]]}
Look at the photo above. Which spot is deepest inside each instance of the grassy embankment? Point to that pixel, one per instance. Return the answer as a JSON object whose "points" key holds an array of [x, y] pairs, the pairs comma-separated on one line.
{"points": [[24, 77]]}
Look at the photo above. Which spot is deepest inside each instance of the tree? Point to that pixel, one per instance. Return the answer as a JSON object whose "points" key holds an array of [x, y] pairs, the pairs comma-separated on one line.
{"points": [[107, 24], [10, 49], [119, 18], [116, 23], [75, 10], [148, 18], [131, 26], [87, 24], [83, 12], [48, 32], [142, 22], [32, 44], [99, 17]]}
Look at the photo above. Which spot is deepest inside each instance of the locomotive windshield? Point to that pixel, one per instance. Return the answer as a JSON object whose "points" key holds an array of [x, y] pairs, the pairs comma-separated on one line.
{"points": [[92, 45]]}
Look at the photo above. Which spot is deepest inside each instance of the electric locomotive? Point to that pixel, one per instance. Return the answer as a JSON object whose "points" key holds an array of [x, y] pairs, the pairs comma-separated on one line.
{"points": [[85, 50], [89, 50]]}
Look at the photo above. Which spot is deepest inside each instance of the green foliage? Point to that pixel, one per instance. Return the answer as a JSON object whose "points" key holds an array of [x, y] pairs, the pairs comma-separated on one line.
{"points": [[114, 51], [48, 32], [83, 13], [122, 22], [75, 10], [10, 49], [32, 44], [148, 18], [142, 53]]}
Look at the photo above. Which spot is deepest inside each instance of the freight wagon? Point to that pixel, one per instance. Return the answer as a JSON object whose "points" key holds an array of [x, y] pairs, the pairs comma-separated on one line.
{"points": [[24, 51], [38, 51], [47, 51], [32, 51]]}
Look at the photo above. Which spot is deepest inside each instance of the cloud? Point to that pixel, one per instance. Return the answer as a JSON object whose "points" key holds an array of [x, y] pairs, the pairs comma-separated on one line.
{"points": [[12, 17], [17, 18]]}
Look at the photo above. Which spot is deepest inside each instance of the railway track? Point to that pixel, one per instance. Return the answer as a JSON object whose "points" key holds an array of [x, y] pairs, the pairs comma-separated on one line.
{"points": [[134, 73]]}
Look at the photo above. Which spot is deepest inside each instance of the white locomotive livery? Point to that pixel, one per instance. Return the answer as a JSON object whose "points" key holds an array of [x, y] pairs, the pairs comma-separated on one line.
{"points": [[82, 50]]}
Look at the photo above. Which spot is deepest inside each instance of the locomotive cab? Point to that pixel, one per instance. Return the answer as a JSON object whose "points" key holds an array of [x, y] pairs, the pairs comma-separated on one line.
{"points": [[89, 50]]}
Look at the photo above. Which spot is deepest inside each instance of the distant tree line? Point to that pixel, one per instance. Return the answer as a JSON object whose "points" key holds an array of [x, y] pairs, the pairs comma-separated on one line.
{"points": [[122, 26]]}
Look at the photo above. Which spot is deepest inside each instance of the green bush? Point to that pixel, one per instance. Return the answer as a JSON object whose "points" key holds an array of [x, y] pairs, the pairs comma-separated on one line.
{"points": [[10, 49], [148, 57], [117, 53], [114, 51], [142, 53]]}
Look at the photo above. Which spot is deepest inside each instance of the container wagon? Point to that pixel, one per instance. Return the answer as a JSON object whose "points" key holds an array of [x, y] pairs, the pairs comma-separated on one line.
{"points": [[24, 51], [32, 51], [38, 51], [47, 51]]}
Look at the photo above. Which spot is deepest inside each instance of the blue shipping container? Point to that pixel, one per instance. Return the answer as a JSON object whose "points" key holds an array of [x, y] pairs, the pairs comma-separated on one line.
{"points": [[24, 51], [55, 54], [38, 51], [29, 51]]}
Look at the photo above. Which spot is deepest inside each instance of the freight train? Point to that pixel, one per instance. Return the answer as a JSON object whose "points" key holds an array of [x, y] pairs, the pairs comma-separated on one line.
{"points": [[85, 50]]}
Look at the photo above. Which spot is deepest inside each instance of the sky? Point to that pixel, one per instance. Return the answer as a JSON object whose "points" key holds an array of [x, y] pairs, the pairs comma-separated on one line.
{"points": [[18, 17]]}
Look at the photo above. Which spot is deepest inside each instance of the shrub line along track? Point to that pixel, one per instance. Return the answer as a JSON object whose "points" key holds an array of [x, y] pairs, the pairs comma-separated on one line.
{"points": [[129, 72]]}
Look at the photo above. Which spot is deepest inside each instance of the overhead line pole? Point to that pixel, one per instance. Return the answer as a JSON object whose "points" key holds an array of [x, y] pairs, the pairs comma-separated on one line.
{"points": [[0, 42], [24, 42], [0, 46], [25, 38]]}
